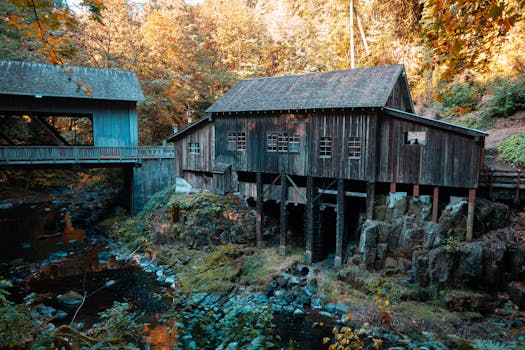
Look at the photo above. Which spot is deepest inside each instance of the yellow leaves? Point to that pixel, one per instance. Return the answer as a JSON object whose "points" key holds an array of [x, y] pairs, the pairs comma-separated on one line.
{"points": [[326, 340]]}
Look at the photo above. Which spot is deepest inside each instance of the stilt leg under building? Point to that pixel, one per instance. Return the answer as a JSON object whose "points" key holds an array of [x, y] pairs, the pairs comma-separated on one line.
{"points": [[340, 223], [284, 217], [435, 204], [259, 209], [470, 213], [309, 223], [370, 200]]}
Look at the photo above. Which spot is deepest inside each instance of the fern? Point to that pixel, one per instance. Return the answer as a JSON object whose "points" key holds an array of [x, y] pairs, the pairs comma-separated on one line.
{"points": [[481, 344]]}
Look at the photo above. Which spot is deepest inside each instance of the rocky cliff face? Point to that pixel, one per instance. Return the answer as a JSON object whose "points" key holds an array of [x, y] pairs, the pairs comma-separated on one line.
{"points": [[403, 240]]}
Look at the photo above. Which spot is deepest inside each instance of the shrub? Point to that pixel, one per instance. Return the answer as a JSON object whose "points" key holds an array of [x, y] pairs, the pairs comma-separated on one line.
{"points": [[460, 97], [507, 97], [513, 149]]}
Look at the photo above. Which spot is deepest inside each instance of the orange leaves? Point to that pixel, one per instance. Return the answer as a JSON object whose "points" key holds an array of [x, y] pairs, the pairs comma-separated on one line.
{"points": [[462, 33]]}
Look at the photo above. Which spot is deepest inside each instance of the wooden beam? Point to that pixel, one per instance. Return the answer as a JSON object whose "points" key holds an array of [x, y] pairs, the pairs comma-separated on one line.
{"points": [[470, 213], [259, 209], [435, 204], [284, 217], [415, 192], [309, 222], [370, 199], [392, 187], [340, 223]]}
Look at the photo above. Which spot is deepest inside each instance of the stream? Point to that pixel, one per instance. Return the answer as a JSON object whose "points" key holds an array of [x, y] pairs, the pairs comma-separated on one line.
{"points": [[45, 256]]}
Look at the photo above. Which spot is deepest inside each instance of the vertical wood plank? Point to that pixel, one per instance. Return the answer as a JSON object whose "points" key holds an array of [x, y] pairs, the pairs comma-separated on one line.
{"points": [[309, 220], [340, 223], [259, 209], [284, 217], [470, 213], [435, 204]]}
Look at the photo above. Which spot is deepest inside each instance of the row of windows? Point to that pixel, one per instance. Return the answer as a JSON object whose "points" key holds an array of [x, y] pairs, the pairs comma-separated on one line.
{"points": [[284, 142]]}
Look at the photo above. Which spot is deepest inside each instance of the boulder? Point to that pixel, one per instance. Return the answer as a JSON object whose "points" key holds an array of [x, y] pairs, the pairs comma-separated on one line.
{"points": [[440, 264], [432, 235], [70, 298], [490, 215], [470, 265], [462, 300], [420, 267], [421, 208], [453, 219], [397, 205], [494, 252], [517, 293], [368, 243]]}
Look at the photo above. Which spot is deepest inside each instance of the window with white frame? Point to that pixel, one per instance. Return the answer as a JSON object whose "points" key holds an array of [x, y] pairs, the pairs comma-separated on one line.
{"points": [[293, 143], [325, 147], [354, 147], [236, 141], [194, 148], [282, 142], [271, 141]]}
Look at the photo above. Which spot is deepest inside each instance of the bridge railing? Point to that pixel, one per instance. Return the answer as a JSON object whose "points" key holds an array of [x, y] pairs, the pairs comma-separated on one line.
{"points": [[82, 153]]}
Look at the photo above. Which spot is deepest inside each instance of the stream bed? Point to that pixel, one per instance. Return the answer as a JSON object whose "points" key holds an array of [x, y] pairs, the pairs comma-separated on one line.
{"points": [[48, 259]]}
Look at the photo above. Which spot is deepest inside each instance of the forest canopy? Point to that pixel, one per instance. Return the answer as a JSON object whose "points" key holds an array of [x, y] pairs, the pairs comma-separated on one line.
{"points": [[187, 55]]}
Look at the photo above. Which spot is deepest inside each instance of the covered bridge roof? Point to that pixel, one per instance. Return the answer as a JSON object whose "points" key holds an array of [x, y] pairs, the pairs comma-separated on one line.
{"points": [[362, 87], [37, 79]]}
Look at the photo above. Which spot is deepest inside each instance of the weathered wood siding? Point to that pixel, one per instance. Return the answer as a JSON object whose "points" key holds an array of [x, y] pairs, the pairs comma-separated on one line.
{"points": [[400, 97], [114, 122], [204, 161], [447, 159], [339, 126]]}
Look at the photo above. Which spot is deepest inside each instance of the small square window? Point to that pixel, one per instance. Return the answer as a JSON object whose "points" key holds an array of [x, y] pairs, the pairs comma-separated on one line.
{"points": [[236, 141], [354, 147], [232, 141], [271, 142], [282, 142], [293, 143], [241, 141], [416, 138], [325, 147], [194, 148]]}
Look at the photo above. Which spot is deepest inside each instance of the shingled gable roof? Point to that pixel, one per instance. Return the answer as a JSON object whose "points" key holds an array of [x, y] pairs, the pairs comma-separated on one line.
{"points": [[37, 79], [351, 88]]}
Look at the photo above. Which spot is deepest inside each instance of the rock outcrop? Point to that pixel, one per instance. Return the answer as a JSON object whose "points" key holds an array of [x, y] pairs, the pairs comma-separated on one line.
{"points": [[404, 240]]}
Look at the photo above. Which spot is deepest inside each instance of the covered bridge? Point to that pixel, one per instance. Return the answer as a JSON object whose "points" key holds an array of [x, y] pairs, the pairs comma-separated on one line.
{"points": [[331, 139], [53, 116]]}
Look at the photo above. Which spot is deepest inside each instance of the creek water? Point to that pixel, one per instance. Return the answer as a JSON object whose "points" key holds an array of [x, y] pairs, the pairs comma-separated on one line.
{"points": [[45, 255]]}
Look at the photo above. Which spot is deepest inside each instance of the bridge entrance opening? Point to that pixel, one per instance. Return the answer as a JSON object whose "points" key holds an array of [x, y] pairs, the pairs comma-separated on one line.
{"points": [[23, 129]]}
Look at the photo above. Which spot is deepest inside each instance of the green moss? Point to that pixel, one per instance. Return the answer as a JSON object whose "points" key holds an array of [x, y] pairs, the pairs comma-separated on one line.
{"points": [[216, 271]]}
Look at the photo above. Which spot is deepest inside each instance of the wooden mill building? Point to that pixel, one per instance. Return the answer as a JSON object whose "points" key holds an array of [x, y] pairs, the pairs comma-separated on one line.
{"points": [[327, 140]]}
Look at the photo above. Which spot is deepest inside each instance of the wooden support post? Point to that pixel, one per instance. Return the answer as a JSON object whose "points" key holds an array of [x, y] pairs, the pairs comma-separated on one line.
{"points": [[284, 217], [392, 187], [491, 179], [435, 204], [415, 192], [518, 183], [470, 213], [370, 199], [128, 188], [340, 223], [259, 209], [309, 229]]}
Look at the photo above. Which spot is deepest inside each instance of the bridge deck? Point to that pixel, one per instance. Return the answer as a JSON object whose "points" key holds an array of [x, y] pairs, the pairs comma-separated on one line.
{"points": [[13, 156]]}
